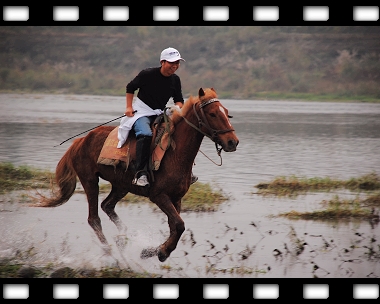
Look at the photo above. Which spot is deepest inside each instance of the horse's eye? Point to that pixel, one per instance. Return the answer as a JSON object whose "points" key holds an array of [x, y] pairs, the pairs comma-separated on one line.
{"points": [[212, 115]]}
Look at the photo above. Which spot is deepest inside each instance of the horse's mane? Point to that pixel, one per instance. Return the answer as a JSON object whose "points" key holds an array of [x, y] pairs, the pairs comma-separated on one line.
{"points": [[188, 105]]}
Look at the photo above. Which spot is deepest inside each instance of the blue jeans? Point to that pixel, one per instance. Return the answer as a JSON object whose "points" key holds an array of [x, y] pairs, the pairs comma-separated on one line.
{"points": [[142, 126]]}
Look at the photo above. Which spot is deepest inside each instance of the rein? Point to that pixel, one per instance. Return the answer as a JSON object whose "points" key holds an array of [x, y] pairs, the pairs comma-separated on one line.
{"points": [[214, 133], [211, 159]]}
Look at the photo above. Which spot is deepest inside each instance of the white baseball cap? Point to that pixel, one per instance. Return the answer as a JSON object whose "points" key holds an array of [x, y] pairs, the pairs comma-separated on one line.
{"points": [[170, 54]]}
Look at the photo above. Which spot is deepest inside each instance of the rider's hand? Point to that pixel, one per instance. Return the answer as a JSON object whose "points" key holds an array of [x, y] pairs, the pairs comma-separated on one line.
{"points": [[129, 112]]}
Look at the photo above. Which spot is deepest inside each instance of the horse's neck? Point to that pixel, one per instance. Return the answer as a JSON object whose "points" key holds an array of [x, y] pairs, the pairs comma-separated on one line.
{"points": [[187, 139]]}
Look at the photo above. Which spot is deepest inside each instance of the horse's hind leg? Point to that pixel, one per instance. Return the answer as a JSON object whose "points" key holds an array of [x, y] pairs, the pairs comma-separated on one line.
{"points": [[91, 188]]}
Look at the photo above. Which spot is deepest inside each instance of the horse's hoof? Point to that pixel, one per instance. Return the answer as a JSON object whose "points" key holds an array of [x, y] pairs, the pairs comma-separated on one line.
{"points": [[121, 241], [161, 256], [148, 253]]}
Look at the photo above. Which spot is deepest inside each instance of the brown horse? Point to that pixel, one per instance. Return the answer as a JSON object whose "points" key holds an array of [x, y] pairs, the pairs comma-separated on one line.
{"points": [[200, 116]]}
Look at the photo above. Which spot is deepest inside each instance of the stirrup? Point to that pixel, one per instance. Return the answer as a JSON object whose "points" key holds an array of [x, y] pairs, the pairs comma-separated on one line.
{"points": [[142, 181], [193, 179]]}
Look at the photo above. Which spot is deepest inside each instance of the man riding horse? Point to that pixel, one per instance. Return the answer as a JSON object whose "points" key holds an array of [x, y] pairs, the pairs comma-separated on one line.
{"points": [[156, 86]]}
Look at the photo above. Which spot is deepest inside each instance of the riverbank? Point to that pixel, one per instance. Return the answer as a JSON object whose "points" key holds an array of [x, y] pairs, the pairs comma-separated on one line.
{"points": [[257, 96]]}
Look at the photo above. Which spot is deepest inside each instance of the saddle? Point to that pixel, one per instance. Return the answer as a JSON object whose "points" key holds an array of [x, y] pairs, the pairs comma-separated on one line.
{"points": [[162, 129]]}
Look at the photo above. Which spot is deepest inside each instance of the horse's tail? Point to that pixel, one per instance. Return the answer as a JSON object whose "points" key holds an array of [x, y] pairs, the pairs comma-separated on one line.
{"points": [[65, 179]]}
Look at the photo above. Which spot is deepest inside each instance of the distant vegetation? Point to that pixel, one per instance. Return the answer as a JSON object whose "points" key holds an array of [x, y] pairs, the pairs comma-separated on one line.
{"points": [[241, 62]]}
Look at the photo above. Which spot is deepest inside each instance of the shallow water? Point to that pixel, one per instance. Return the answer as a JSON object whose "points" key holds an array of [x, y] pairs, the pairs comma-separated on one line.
{"points": [[241, 239]]}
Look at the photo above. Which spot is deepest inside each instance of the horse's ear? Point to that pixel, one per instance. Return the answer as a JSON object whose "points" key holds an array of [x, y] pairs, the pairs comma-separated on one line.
{"points": [[213, 89], [201, 92]]}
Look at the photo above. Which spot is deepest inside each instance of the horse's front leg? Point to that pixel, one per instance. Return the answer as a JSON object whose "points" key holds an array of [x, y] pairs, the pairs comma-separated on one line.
{"points": [[176, 227], [108, 206]]}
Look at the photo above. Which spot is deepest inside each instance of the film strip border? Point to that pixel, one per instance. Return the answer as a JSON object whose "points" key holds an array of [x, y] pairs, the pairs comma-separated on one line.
{"points": [[190, 14], [192, 289], [197, 289]]}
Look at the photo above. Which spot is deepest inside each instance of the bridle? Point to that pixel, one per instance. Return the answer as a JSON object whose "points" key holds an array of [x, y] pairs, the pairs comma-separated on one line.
{"points": [[203, 122]]}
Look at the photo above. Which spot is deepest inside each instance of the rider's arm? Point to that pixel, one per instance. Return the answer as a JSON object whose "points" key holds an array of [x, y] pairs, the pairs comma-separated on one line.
{"points": [[129, 108]]}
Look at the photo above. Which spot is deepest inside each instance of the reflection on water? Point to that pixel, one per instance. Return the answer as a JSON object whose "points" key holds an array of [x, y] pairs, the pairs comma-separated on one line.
{"points": [[277, 138]]}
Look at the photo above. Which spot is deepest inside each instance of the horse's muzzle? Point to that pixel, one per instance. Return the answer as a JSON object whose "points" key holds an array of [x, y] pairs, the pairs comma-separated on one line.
{"points": [[230, 145]]}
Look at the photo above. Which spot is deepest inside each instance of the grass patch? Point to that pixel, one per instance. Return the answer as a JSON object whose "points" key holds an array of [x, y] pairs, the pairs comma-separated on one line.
{"points": [[366, 182], [340, 209], [201, 197], [22, 177], [372, 200], [12, 269], [291, 186]]}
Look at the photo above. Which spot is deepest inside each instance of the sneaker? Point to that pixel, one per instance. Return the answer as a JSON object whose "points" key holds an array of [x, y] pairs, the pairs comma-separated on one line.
{"points": [[142, 181], [193, 179]]}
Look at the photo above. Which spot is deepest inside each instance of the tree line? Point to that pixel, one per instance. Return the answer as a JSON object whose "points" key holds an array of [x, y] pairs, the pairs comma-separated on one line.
{"points": [[241, 62]]}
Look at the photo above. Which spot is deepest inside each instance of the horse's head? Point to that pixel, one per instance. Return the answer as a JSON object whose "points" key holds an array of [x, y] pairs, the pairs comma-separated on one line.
{"points": [[213, 119]]}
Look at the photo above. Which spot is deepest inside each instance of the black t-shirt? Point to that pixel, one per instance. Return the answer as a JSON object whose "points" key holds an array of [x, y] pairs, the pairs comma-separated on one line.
{"points": [[156, 89]]}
